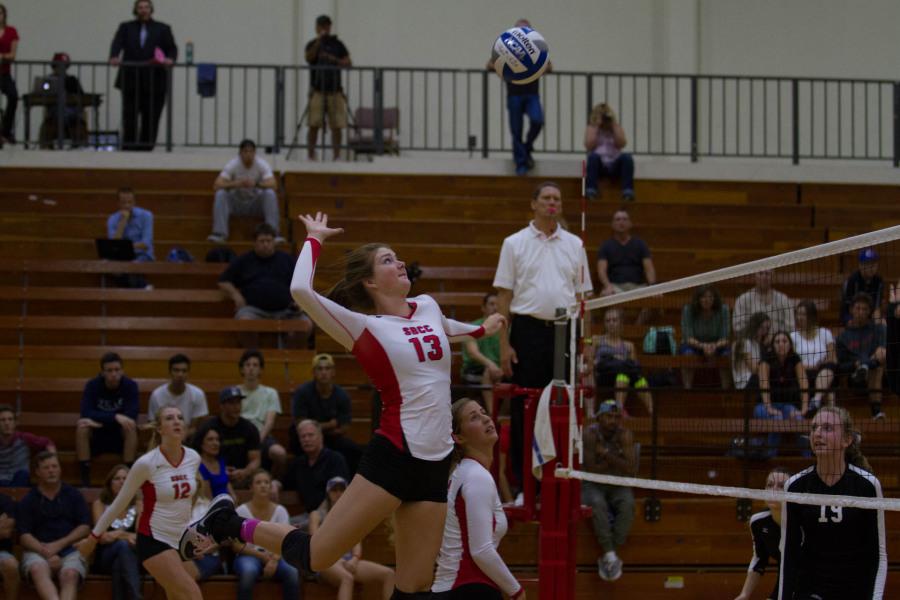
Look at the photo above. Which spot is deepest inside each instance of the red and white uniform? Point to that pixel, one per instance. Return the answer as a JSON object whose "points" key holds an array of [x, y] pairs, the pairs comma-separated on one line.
{"points": [[407, 359], [472, 532], [167, 490]]}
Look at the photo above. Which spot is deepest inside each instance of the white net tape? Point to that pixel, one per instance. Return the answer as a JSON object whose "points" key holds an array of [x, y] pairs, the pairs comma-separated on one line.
{"points": [[686, 283], [749, 268], [733, 492]]}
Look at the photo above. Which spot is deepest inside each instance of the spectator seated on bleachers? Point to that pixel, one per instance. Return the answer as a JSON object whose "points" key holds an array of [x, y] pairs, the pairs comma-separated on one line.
{"points": [[751, 344], [16, 448], [189, 399], [609, 450], [705, 330], [133, 223], [623, 261], [816, 348], [9, 566], [252, 563], [310, 471], [50, 519], [260, 406], [116, 552], [327, 403], [109, 412], [245, 187], [350, 568], [481, 357], [861, 351], [259, 284], [782, 382], [213, 469], [762, 298], [892, 353], [864, 279], [604, 139], [615, 362], [238, 437]]}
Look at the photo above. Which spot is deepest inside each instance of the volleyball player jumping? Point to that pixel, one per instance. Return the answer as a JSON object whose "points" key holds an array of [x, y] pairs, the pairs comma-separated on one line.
{"points": [[833, 552], [404, 348]]}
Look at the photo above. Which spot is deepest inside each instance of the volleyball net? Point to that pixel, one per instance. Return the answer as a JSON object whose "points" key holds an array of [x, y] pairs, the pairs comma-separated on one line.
{"points": [[721, 377]]}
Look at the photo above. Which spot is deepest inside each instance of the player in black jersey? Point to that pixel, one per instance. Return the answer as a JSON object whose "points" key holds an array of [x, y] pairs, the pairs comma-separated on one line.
{"points": [[833, 552], [765, 529]]}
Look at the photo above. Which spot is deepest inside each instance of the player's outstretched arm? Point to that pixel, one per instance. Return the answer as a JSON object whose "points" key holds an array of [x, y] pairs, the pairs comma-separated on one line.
{"points": [[342, 324]]}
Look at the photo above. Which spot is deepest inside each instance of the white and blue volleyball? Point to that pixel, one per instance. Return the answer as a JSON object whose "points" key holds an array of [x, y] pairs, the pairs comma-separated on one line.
{"points": [[520, 55]]}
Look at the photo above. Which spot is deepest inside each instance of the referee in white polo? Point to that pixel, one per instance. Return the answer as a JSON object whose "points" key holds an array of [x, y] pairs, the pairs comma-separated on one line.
{"points": [[542, 267]]}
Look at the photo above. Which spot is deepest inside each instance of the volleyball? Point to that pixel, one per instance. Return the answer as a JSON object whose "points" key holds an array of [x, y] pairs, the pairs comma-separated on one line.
{"points": [[520, 55]]}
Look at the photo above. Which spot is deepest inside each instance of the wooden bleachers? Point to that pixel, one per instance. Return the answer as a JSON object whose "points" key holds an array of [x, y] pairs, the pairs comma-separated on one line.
{"points": [[451, 225]]}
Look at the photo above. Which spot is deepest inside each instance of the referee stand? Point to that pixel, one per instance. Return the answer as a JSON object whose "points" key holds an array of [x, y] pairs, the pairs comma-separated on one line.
{"points": [[560, 509]]}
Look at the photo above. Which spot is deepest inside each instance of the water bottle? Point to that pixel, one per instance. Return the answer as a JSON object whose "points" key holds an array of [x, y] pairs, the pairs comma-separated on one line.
{"points": [[189, 52]]}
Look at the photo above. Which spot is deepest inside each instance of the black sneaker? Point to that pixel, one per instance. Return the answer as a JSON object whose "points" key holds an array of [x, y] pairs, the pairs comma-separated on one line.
{"points": [[199, 537], [861, 375], [529, 161]]}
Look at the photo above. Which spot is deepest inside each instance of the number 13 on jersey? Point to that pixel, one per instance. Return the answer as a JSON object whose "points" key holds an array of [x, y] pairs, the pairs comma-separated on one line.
{"points": [[428, 347]]}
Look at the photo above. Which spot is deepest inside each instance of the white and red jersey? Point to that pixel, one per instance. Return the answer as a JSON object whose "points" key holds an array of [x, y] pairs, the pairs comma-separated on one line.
{"points": [[472, 532], [407, 359], [167, 489]]}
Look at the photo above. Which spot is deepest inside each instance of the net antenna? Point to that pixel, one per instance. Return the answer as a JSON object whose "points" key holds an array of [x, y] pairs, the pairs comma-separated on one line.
{"points": [[729, 275]]}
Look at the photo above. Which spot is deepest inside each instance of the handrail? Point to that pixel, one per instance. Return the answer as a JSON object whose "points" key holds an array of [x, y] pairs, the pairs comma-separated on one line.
{"points": [[463, 110]]}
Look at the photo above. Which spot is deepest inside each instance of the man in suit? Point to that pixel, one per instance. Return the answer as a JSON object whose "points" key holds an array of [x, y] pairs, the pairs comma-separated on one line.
{"points": [[143, 88]]}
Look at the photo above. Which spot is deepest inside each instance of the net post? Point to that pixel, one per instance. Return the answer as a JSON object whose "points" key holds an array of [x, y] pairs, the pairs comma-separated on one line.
{"points": [[559, 347]]}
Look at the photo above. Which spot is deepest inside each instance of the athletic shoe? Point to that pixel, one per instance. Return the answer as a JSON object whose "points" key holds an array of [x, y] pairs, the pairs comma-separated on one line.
{"points": [[215, 238], [199, 537], [861, 375], [879, 416], [591, 193], [614, 568], [529, 161], [628, 195], [602, 570]]}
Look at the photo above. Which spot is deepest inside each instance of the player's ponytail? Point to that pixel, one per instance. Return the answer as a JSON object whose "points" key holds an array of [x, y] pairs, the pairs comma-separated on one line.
{"points": [[853, 455], [358, 266]]}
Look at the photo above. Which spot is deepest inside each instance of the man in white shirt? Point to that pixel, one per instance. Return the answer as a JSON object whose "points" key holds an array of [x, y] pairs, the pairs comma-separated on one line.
{"points": [[762, 298], [189, 399], [245, 187], [542, 267], [261, 405]]}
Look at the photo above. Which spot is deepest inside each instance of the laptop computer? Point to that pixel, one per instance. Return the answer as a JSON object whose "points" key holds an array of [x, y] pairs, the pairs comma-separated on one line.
{"points": [[45, 84], [115, 249]]}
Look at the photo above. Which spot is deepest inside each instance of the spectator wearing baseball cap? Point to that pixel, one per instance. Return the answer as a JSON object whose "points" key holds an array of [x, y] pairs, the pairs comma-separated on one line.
{"points": [[327, 403], [609, 449], [238, 437], [74, 122], [864, 279]]}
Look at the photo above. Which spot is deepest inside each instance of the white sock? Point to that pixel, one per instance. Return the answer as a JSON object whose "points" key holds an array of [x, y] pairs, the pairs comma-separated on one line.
{"points": [[611, 555]]}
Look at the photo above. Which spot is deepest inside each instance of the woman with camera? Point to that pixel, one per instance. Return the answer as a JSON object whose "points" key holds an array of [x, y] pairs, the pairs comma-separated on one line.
{"points": [[604, 139]]}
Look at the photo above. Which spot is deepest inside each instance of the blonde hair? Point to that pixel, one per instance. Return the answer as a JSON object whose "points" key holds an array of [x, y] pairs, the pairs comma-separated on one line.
{"points": [[155, 437]]}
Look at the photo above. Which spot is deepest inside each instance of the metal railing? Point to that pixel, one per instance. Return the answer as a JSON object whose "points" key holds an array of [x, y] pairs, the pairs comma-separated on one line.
{"points": [[464, 110]]}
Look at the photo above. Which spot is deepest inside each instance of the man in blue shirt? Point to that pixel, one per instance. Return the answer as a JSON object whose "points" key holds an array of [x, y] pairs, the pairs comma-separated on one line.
{"points": [[133, 223], [109, 412], [50, 519]]}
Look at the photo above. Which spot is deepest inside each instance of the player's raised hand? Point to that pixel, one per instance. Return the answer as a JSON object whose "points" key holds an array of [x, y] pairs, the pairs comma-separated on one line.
{"points": [[317, 227]]}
